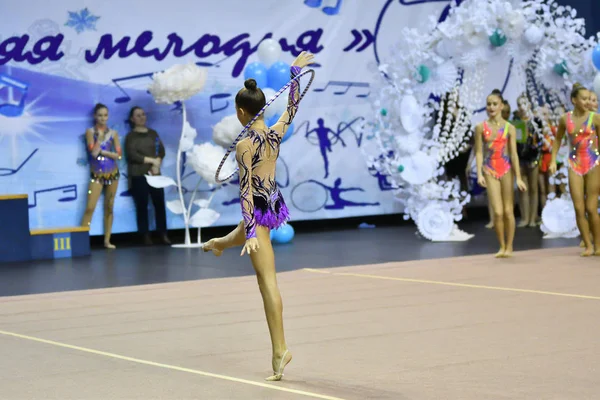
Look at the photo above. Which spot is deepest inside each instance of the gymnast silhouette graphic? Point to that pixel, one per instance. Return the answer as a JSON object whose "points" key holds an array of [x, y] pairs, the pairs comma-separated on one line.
{"points": [[322, 132], [336, 191]]}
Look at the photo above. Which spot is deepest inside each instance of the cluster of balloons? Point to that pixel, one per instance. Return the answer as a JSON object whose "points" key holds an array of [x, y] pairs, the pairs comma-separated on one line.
{"points": [[283, 234], [271, 74], [596, 60]]}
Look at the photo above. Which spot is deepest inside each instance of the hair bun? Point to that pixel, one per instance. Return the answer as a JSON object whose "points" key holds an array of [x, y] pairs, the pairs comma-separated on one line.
{"points": [[250, 84], [497, 91]]}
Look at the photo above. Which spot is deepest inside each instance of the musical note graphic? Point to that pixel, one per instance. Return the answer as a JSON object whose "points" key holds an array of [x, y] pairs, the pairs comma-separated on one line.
{"points": [[126, 98], [64, 189], [329, 10], [13, 108], [10, 171], [348, 85], [216, 97], [313, 3], [333, 10]]}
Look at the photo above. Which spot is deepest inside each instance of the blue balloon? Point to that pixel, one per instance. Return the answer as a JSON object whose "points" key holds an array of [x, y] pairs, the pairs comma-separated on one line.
{"points": [[596, 57], [258, 72], [273, 120], [278, 75], [283, 234]]}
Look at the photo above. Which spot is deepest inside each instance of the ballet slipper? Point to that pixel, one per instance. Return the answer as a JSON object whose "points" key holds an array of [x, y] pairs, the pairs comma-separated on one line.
{"points": [[109, 245], [277, 375]]}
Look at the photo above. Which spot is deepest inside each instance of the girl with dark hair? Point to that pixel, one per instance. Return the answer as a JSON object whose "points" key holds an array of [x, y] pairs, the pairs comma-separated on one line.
{"points": [[495, 169], [144, 152], [263, 207], [104, 151], [581, 127]]}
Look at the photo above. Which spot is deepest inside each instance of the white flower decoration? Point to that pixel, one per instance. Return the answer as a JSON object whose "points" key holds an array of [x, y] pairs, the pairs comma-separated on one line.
{"points": [[178, 83], [206, 157]]}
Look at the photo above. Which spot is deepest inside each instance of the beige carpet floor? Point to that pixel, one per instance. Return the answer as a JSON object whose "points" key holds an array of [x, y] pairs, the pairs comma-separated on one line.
{"points": [[468, 328]]}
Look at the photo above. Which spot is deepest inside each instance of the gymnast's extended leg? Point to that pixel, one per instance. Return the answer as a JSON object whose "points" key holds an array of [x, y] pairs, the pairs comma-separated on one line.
{"points": [[236, 237], [263, 261]]}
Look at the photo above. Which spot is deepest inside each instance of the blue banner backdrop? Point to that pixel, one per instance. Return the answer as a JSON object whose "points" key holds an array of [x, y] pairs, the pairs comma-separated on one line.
{"points": [[58, 60]]}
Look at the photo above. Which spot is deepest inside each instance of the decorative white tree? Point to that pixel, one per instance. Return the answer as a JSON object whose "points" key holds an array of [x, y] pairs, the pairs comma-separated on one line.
{"points": [[450, 61], [178, 84]]}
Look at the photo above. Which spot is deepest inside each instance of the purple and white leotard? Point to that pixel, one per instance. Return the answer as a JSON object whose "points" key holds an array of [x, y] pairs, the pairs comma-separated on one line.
{"points": [[261, 201]]}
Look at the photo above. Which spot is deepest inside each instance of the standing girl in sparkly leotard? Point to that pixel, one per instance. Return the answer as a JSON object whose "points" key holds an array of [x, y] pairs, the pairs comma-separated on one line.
{"points": [[495, 169], [104, 149], [262, 204], [581, 127], [592, 107]]}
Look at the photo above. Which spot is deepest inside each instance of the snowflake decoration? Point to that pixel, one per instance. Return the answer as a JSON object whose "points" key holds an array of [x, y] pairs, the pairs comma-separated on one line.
{"points": [[82, 21]]}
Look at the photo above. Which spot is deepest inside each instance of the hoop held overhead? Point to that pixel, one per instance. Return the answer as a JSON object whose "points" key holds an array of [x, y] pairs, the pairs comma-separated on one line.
{"points": [[260, 113]]}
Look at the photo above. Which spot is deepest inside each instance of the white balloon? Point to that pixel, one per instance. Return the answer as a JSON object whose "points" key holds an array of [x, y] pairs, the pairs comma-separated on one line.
{"points": [[270, 111], [597, 84], [280, 105], [269, 51]]}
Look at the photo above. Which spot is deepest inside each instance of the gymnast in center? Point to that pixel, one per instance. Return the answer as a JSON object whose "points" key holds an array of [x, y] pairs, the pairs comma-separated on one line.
{"points": [[263, 206]]}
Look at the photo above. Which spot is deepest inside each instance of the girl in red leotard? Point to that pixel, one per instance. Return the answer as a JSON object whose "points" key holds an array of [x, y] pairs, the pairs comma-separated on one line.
{"points": [[581, 127], [495, 169], [592, 107]]}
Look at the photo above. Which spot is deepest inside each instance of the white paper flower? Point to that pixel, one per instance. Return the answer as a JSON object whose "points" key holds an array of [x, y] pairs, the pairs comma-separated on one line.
{"points": [[558, 216], [202, 203], [411, 113], [420, 168], [204, 217], [227, 130], [435, 223], [178, 83], [160, 181], [409, 144], [443, 79], [175, 206], [205, 159]]}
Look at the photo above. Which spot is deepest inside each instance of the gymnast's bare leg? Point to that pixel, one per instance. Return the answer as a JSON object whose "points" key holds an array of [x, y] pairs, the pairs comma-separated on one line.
{"points": [[235, 238]]}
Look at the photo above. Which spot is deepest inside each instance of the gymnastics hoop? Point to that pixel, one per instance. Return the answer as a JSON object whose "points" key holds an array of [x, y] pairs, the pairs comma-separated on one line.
{"points": [[261, 112]]}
